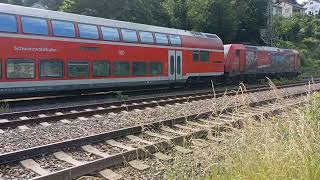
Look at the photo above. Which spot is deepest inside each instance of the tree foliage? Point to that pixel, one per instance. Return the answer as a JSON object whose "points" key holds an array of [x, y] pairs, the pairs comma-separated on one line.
{"points": [[301, 33]]}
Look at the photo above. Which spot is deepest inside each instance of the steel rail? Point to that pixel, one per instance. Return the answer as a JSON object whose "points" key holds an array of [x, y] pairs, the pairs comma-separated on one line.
{"points": [[142, 152], [54, 147], [104, 108]]}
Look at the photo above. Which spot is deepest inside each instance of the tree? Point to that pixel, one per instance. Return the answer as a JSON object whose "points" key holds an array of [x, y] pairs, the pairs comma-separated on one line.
{"points": [[251, 18], [51, 4], [140, 11], [178, 13]]}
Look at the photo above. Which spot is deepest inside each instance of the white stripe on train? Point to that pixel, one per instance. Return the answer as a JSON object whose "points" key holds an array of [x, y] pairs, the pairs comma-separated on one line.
{"points": [[47, 83]]}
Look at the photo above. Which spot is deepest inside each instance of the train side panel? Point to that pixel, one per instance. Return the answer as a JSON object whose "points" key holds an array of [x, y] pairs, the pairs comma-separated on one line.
{"points": [[260, 61]]}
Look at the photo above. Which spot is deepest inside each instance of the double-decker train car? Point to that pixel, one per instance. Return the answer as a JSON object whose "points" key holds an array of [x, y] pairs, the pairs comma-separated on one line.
{"points": [[260, 62], [42, 51]]}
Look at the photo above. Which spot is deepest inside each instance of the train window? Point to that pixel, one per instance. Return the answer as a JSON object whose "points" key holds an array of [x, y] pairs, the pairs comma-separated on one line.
{"points": [[175, 40], [139, 68], [51, 69], [204, 56], [155, 68], [20, 69], [110, 34], [146, 37], [88, 31], [172, 68], [32, 25], [195, 55], [101, 68], [162, 38], [8, 23], [122, 68], [64, 29], [179, 65], [78, 69], [129, 35]]}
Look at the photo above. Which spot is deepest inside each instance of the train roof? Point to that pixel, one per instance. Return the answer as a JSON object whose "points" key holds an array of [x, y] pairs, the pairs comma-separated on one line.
{"points": [[261, 48], [42, 13]]}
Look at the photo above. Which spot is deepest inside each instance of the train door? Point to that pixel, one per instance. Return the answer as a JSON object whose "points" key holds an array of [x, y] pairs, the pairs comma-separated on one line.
{"points": [[175, 65], [240, 60]]}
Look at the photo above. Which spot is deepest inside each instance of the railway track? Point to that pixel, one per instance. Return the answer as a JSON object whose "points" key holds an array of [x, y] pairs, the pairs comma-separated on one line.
{"points": [[46, 116], [98, 153], [16, 104]]}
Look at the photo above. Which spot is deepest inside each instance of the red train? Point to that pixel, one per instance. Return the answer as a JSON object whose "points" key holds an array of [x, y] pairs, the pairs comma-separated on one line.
{"points": [[43, 51], [258, 61]]}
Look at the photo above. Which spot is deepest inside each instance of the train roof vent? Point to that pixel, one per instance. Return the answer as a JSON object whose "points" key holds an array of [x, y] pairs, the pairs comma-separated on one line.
{"points": [[212, 36], [198, 34]]}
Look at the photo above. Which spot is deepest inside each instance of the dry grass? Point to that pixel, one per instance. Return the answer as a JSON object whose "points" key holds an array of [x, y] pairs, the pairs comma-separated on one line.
{"points": [[286, 146]]}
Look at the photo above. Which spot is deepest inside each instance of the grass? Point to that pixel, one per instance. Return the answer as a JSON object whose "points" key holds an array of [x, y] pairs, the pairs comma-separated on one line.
{"points": [[280, 147]]}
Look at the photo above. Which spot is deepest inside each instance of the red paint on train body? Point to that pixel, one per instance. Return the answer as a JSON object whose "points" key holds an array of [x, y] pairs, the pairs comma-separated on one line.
{"points": [[43, 51], [258, 60], [26, 56]]}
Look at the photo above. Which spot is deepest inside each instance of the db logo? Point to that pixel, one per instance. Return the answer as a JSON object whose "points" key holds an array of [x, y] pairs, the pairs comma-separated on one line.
{"points": [[122, 52]]}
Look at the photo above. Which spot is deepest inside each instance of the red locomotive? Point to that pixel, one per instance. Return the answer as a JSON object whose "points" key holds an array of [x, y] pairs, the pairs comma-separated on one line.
{"points": [[43, 51], [243, 61]]}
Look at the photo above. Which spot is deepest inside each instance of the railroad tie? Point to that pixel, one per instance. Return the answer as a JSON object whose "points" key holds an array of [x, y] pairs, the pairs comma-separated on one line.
{"points": [[23, 118], [114, 143], [83, 118], [98, 116], [139, 165], [42, 116], [185, 127], [199, 125], [112, 114], [137, 139], [65, 121], [4, 120], [149, 133], [67, 158], [183, 150], [167, 129], [74, 112], [215, 123], [101, 108], [59, 113], [264, 109], [110, 175], [216, 139], [200, 143], [88, 110], [92, 150], [34, 166], [230, 116], [23, 128], [163, 157], [45, 124]]}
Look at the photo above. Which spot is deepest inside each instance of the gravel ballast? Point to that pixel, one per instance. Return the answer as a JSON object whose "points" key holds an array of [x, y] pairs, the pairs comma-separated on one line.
{"points": [[13, 140]]}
